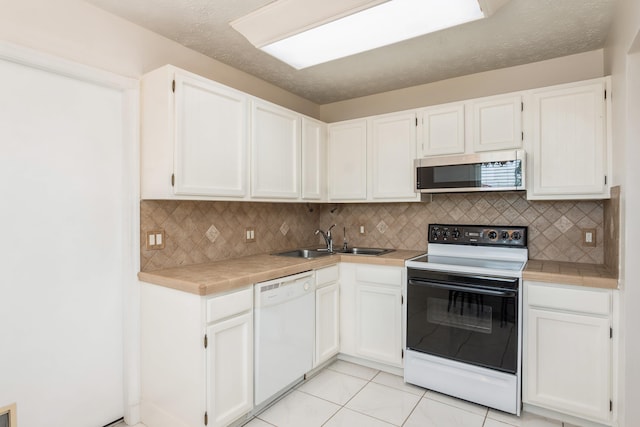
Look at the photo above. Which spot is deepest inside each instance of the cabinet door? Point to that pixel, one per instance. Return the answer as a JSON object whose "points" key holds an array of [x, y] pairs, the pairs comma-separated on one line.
{"points": [[327, 322], [568, 365], [393, 150], [569, 143], [378, 323], [497, 123], [347, 160], [230, 369], [442, 130], [211, 139], [313, 159], [275, 152]]}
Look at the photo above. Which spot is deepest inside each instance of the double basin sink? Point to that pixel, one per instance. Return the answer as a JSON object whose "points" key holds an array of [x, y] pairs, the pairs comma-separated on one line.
{"points": [[316, 253]]}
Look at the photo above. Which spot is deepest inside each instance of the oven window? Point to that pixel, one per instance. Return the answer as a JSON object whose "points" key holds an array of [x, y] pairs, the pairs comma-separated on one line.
{"points": [[461, 310], [464, 326]]}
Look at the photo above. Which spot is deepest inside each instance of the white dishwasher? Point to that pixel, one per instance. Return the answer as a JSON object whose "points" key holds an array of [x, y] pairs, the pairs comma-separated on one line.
{"points": [[284, 333]]}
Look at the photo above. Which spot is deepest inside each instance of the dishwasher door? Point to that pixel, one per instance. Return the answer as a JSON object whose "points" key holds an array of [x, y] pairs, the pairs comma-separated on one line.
{"points": [[284, 333]]}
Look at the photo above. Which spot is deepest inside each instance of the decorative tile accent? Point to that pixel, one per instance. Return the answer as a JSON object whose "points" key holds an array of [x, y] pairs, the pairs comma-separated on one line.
{"points": [[212, 233], [382, 227], [284, 228]]}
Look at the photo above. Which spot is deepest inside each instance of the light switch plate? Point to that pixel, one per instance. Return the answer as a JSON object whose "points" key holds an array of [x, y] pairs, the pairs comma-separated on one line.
{"points": [[249, 235]]}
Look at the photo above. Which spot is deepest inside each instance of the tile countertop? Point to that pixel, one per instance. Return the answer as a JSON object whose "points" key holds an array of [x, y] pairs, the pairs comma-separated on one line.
{"points": [[222, 276], [570, 273]]}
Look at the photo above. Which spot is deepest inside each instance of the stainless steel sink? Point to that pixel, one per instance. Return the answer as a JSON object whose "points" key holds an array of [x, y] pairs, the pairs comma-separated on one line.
{"points": [[304, 253], [366, 251]]}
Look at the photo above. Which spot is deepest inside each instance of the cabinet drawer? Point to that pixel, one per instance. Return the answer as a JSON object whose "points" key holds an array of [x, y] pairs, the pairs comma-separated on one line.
{"points": [[327, 275], [569, 298], [382, 275], [229, 304]]}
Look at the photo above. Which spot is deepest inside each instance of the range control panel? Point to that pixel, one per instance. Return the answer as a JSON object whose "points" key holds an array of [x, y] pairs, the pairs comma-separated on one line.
{"points": [[487, 235]]}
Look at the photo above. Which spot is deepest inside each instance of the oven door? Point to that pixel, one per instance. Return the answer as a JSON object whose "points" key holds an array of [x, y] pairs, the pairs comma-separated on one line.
{"points": [[467, 318]]}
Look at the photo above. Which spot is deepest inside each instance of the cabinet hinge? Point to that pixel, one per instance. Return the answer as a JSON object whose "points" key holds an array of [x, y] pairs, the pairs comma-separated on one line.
{"points": [[206, 418], [173, 86], [206, 341], [173, 180]]}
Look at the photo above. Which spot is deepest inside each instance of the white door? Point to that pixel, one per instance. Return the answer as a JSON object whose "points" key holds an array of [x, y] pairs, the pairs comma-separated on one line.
{"points": [[67, 210], [393, 150], [314, 155], [569, 363], [497, 123], [230, 369], [327, 322], [275, 152], [211, 139], [347, 160], [378, 323], [569, 145], [442, 130]]}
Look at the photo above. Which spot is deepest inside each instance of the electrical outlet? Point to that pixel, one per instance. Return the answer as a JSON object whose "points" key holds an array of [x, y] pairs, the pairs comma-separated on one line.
{"points": [[362, 229], [249, 235], [589, 237], [155, 240]]}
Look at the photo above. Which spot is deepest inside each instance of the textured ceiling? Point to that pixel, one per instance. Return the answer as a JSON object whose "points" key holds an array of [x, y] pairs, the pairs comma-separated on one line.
{"points": [[520, 32]]}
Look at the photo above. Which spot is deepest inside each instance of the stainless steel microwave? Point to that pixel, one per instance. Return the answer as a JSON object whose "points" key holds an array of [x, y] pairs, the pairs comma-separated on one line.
{"points": [[491, 171]]}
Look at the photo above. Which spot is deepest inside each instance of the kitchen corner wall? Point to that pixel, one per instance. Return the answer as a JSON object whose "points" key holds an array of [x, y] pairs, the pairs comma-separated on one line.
{"points": [[201, 231]]}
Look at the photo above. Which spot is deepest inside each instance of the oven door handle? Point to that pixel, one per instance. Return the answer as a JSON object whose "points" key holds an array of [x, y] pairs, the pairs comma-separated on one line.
{"points": [[469, 289]]}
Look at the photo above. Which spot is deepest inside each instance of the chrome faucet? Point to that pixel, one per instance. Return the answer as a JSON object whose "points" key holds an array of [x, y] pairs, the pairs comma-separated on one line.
{"points": [[327, 237]]}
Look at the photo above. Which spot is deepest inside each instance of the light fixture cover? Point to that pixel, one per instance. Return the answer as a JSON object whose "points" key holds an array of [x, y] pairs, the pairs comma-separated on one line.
{"points": [[383, 24]]}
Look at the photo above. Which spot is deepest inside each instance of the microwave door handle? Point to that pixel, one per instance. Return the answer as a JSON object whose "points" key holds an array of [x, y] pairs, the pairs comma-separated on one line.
{"points": [[470, 289]]}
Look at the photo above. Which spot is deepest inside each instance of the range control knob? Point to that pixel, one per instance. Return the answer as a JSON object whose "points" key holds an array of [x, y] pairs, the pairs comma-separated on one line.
{"points": [[455, 233], [435, 233], [504, 235], [493, 234], [447, 233], [516, 235]]}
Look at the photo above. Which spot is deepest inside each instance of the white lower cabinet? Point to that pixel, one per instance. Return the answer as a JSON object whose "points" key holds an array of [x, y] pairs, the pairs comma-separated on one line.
{"points": [[230, 369], [327, 314], [196, 357], [568, 348], [371, 312]]}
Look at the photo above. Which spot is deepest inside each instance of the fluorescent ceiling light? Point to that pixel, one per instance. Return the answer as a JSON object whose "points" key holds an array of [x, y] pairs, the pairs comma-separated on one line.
{"points": [[387, 23]]}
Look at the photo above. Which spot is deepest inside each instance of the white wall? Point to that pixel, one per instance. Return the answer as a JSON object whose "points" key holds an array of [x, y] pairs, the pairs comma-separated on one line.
{"points": [[622, 61], [582, 66], [81, 32]]}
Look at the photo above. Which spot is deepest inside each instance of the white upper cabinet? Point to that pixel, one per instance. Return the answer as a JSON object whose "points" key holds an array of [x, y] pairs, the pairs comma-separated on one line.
{"points": [[275, 151], [314, 159], [497, 123], [347, 160], [442, 130], [393, 150], [372, 159], [569, 147], [194, 137]]}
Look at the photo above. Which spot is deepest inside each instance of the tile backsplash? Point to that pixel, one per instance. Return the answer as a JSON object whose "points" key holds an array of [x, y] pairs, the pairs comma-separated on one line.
{"points": [[202, 231]]}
